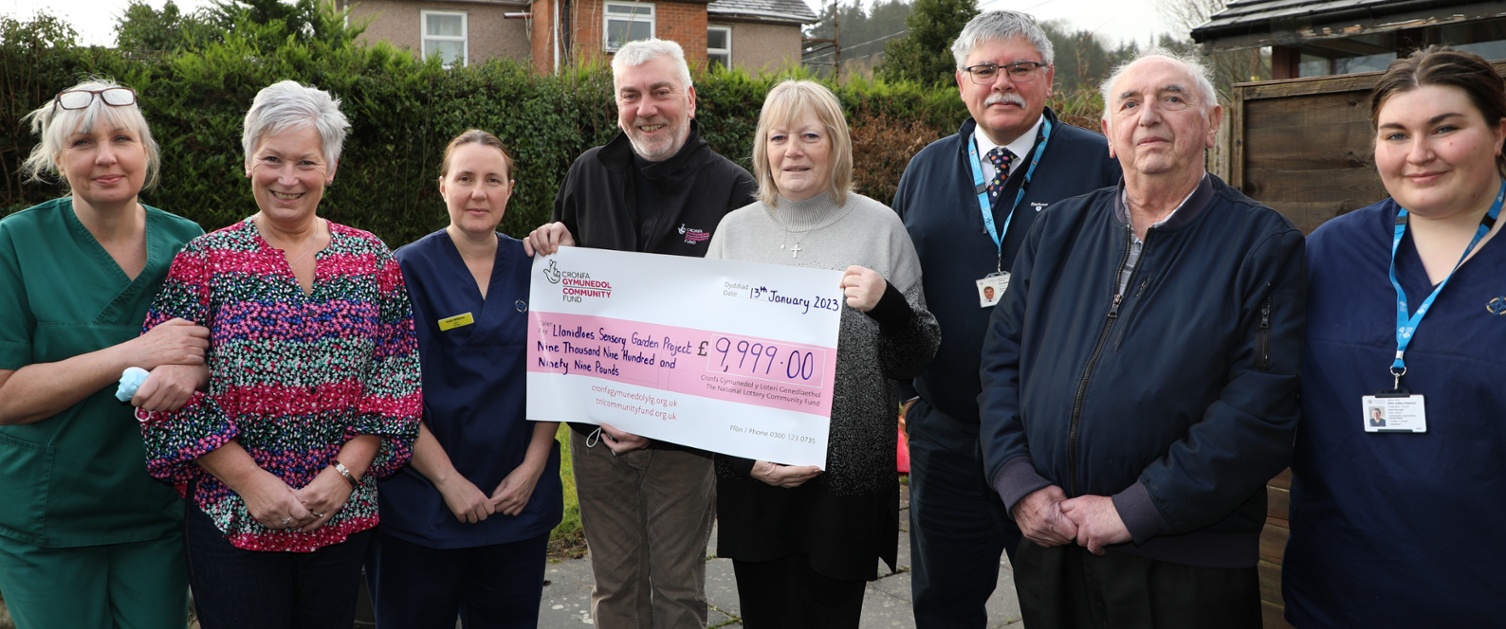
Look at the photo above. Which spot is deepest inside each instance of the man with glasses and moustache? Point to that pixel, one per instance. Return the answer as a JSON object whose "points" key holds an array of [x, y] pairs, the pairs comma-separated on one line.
{"points": [[968, 200]]}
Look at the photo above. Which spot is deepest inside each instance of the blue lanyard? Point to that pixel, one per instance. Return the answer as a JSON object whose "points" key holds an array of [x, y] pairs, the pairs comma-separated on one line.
{"points": [[981, 187], [1406, 325]]}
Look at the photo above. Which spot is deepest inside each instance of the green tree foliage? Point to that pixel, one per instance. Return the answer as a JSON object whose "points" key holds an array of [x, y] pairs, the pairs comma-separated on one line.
{"points": [[1081, 58], [924, 54], [861, 32], [272, 21], [142, 30]]}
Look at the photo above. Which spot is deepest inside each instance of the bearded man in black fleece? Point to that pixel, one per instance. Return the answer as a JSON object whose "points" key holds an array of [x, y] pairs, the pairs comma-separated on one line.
{"points": [[657, 187]]}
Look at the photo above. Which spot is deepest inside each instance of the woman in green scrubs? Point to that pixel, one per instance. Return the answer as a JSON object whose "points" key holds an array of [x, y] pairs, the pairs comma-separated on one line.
{"points": [[87, 539]]}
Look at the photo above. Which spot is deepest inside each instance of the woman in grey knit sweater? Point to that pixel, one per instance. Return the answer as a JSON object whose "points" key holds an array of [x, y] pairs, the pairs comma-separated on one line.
{"points": [[803, 541]]}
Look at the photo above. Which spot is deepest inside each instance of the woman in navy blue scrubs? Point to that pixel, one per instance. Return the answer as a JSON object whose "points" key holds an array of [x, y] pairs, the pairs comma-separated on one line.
{"points": [[464, 527]]}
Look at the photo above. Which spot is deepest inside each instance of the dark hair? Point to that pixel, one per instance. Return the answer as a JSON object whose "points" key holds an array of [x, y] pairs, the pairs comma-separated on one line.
{"points": [[1439, 65], [475, 136]]}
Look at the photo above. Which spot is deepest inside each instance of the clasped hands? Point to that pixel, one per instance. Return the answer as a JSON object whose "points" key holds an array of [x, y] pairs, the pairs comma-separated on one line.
{"points": [[277, 505], [1048, 518], [471, 505]]}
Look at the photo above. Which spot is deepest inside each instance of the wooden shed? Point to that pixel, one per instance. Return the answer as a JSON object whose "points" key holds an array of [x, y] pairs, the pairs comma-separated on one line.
{"points": [[1328, 37]]}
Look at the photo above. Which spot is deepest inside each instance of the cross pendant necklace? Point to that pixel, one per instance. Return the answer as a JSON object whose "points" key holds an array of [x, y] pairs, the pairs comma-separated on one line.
{"points": [[794, 250]]}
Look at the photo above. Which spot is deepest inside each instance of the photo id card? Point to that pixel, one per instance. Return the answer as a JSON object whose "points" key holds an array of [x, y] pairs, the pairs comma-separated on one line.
{"points": [[991, 288], [1401, 413]]}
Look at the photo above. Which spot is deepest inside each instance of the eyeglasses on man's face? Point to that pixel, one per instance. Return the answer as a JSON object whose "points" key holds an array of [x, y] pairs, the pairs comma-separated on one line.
{"points": [[80, 99], [1019, 71]]}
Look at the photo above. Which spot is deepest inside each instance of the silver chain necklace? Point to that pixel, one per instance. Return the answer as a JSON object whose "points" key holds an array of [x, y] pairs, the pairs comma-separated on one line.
{"points": [[795, 250]]}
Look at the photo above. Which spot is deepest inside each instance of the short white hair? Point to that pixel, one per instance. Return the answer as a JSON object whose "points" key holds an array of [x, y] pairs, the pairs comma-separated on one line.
{"points": [[291, 105], [1192, 65], [643, 51]]}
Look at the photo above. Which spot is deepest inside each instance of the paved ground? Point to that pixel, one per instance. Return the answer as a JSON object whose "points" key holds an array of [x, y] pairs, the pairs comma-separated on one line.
{"points": [[567, 596]]}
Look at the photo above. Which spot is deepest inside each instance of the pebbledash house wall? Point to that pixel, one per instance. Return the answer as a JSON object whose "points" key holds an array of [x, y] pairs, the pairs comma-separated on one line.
{"points": [[490, 35], [762, 46]]}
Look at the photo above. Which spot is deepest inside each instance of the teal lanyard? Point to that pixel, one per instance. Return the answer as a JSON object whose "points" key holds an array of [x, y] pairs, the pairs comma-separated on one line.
{"points": [[981, 187], [1406, 325]]}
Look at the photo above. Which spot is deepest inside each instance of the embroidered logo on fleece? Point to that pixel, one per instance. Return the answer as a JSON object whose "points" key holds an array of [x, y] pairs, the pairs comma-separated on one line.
{"points": [[693, 235], [1496, 306]]}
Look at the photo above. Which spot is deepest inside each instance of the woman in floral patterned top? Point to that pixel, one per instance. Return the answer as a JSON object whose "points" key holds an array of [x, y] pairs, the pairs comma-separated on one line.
{"points": [[313, 391]]}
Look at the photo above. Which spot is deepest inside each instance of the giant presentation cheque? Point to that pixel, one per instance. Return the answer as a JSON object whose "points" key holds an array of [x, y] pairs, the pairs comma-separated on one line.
{"points": [[731, 357]]}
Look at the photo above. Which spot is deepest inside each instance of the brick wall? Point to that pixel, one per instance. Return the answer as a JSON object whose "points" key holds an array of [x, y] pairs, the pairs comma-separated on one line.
{"points": [[541, 36], [683, 22]]}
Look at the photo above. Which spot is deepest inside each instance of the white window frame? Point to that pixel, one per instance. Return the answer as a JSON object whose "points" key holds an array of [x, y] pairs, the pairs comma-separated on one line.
{"points": [[607, 18], [465, 29], [726, 52]]}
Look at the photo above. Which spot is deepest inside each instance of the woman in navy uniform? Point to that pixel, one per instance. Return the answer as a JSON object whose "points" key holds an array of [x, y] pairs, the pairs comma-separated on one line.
{"points": [[464, 527]]}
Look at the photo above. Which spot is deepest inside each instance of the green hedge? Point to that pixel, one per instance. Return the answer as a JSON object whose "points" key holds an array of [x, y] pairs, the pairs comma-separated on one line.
{"points": [[403, 112]]}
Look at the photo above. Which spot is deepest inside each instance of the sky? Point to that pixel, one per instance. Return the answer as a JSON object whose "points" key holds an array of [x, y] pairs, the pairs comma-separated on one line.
{"points": [[1119, 20]]}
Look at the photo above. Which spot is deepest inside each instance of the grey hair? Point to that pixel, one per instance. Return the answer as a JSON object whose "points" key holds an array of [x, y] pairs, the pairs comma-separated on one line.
{"points": [[290, 105], [54, 125], [645, 50], [1001, 25], [1191, 64]]}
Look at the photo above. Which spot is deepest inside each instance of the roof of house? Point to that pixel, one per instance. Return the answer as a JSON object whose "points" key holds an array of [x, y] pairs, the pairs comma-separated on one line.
{"points": [[1247, 23], [791, 11]]}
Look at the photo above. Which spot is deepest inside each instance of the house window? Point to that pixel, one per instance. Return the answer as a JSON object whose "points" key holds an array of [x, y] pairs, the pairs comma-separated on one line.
{"points": [[444, 36], [628, 21], [719, 46]]}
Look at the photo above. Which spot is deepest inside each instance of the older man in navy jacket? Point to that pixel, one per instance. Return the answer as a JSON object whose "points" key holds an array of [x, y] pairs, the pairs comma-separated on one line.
{"points": [[1140, 377]]}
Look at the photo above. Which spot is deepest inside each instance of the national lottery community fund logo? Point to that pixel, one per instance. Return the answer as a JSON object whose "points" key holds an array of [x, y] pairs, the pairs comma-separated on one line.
{"points": [[693, 235], [575, 286]]}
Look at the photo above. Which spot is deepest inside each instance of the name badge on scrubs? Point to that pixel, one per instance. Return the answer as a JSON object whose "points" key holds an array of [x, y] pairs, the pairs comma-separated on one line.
{"points": [[991, 288], [458, 321], [1393, 412]]}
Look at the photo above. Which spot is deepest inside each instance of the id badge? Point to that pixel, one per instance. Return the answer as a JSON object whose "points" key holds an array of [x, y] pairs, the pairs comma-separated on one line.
{"points": [[991, 288], [458, 321], [1393, 412]]}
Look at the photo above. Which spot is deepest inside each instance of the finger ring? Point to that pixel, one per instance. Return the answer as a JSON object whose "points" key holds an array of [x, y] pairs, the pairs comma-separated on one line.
{"points": [[316, 514], [286, 522]]}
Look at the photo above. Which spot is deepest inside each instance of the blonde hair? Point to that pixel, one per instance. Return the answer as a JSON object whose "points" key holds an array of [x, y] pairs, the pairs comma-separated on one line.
{"points": [[786, 103], [54, 125]]}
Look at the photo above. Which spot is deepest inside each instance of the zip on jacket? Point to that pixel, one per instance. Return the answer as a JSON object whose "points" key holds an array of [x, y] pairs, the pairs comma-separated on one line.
{"points": [[1103, 338]]}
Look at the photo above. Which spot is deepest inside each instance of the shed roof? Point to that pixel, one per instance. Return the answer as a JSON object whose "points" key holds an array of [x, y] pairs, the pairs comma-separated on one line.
{"points": [[1249, 23], [792, 11]]}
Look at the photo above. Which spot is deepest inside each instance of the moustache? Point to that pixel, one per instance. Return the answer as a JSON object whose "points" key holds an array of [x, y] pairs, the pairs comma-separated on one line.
{"points": [[1010, 98]]}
